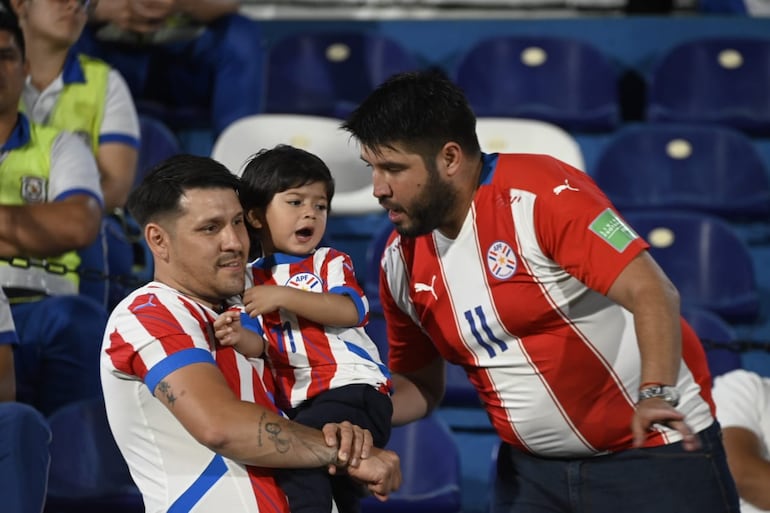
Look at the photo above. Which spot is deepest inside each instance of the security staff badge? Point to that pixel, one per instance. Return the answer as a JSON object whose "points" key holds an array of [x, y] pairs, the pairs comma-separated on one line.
{"points": [[33, 189]]}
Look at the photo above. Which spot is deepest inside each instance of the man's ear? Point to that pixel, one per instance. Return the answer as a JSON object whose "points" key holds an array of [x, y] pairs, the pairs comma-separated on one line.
{"points": [[450, 157], [255, 217], [157, 240]]}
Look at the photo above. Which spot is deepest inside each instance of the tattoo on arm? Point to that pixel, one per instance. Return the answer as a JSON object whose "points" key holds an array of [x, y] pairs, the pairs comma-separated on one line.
{"points": [[274, 434], [282, 441], [165, 389]]}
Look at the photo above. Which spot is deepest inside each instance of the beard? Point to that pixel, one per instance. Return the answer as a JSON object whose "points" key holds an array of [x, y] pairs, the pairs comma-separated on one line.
{"points": [[430, 208]]}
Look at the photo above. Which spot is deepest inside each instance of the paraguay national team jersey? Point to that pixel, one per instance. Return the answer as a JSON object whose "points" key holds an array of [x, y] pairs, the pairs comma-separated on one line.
{"points": [[518, 299], [308, 358], [151, 333]]}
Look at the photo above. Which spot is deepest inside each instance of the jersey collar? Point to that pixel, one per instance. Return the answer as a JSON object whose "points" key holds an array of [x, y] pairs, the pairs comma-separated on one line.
{"points": [[19, 136], [73, 71], [488, 164]]}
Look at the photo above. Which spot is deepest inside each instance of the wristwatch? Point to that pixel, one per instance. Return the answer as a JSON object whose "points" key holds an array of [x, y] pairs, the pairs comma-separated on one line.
{"points": [[666, 392]]}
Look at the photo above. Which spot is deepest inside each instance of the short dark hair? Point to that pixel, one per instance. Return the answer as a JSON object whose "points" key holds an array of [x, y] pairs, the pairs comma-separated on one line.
{"points": [[422, 110], [278, 169], [160, 191], [275, 170], [9, 22]]}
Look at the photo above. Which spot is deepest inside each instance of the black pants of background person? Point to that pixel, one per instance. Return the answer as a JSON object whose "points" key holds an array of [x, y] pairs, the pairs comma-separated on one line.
{"points": [[312, 490]]}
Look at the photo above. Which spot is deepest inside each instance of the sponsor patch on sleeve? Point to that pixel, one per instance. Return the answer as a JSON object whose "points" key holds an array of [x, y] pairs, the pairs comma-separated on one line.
{"points": [[611, 229]]}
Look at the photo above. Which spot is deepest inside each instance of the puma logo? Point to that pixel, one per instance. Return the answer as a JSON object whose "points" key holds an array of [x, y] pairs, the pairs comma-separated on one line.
{"points": [[566, 187], [423, 287]]}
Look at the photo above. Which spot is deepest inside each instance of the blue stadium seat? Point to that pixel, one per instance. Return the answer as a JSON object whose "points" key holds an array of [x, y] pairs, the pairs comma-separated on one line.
{"points": [[330, 73], [718, 338], [430, 464], [158, 142], [709, 168], [88, 473], [713, 79], [371, 281], [560, 80], [703, 256]]}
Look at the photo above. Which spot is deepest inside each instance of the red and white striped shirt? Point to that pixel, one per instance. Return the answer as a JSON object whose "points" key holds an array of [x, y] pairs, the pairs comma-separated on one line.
{"points": [[308, 358], [518, 299], [151, 333]]}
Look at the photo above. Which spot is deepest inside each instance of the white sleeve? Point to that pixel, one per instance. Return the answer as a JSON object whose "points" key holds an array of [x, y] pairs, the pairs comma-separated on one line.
{"points": [[120, 122], [741, 397], [7, 327], [73, 169]]}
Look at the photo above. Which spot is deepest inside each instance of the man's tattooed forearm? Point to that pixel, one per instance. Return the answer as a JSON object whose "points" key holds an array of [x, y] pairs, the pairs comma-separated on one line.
{"points": [[165, 389], [273, 433]]}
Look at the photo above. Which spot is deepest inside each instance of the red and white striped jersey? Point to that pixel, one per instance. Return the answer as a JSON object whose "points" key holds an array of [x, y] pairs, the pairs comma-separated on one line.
{"points": [[306, 357], [151, 333], [518, 299]]}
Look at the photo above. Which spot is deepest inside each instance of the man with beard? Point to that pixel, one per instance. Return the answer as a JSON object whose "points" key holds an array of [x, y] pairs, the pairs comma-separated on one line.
{"points": [[518, 268]]}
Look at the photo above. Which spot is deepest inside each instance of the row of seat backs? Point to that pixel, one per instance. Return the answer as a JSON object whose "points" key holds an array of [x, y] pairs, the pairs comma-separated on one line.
{"points": [[353, 192], [562, 80], [709, 168]]}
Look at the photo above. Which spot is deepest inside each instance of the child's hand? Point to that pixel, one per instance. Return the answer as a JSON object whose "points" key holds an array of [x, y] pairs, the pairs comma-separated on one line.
{"points": [[263, 299], [224, 327]]}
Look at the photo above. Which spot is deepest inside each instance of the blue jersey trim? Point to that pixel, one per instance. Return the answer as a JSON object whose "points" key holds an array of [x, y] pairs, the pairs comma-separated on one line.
{"points": [[71, 192], [277, 259], [352, 294], [20, 135], [176, 361], [366, 356], [488, 165], [72, 72], [210, 475], [252, 324], [9, 337], [128, 140]]}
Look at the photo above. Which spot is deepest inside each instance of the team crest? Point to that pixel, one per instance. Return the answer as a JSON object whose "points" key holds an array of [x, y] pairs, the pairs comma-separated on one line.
{"points": [[501, 260], [33, 189], [306, 281]]}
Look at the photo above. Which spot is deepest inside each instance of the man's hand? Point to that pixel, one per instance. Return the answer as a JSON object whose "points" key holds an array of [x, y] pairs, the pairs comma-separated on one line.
{"points": [[657, 411], [353, 443], [380, 472]]}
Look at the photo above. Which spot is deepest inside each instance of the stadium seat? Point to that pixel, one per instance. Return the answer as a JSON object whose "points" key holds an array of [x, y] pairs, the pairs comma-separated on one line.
{"points": [[330, 73], [703, 256], [158, 142], [88, 473], [559, 80], [371, 281], [515, 135], [430, 464], [713, 79], [718, 338], [316, 134], [709, 168]]}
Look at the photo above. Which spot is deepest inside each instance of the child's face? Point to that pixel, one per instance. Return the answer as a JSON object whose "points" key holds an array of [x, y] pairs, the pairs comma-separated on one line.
{"points": [[294, 221]]}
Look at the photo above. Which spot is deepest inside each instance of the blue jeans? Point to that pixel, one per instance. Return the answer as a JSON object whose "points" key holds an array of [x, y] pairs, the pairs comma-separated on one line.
{"points": [[664, 479], [57, 359]]}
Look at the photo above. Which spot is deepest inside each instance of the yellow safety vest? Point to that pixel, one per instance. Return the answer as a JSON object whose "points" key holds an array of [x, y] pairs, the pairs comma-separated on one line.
{"points": [[80, 106], [24, 177]]}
